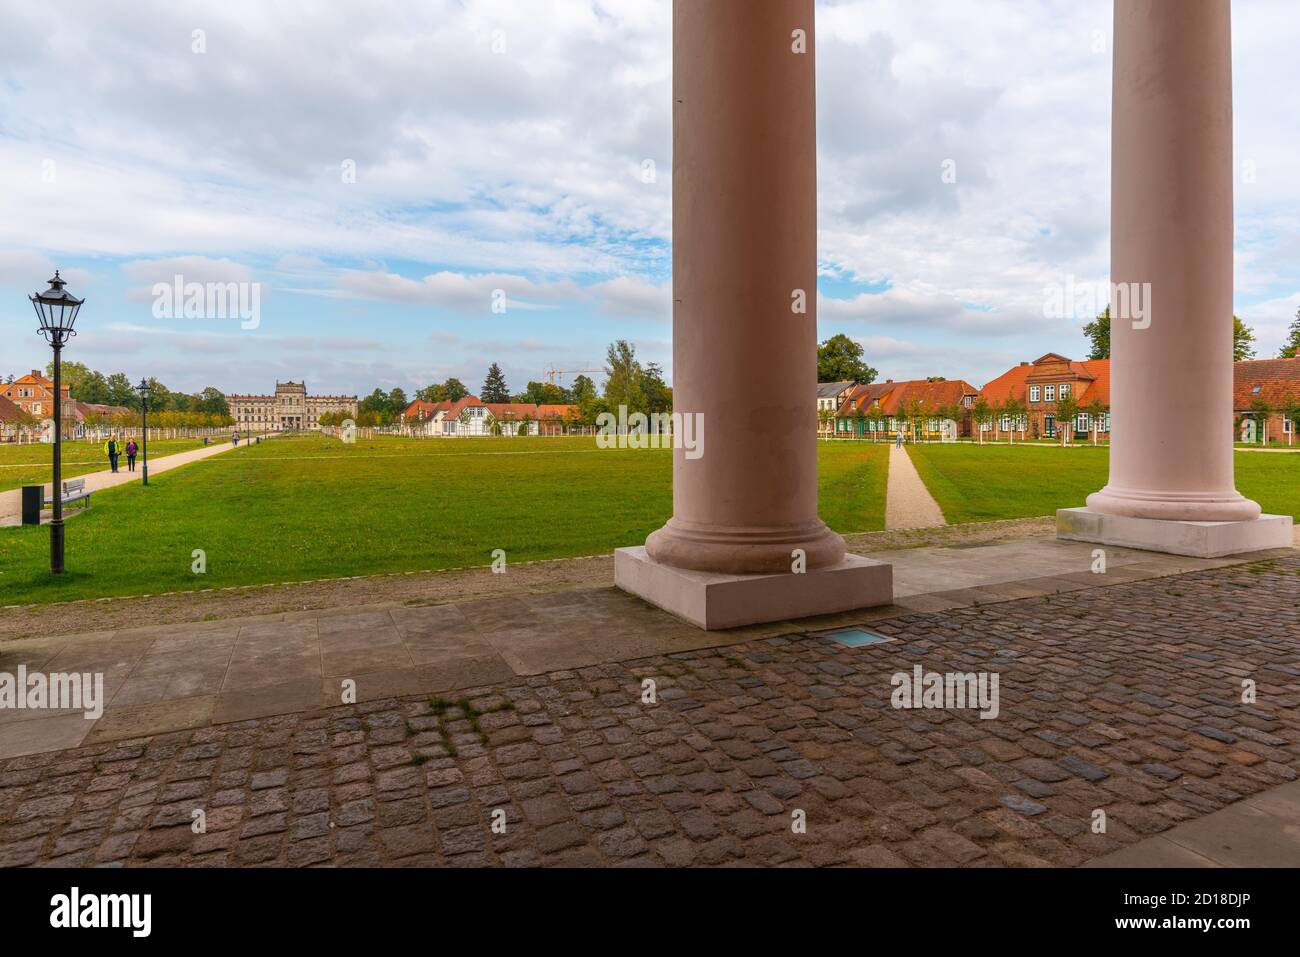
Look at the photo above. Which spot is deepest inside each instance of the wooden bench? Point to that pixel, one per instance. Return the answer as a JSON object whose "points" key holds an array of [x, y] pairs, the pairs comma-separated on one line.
{"points": [[74, 490]]}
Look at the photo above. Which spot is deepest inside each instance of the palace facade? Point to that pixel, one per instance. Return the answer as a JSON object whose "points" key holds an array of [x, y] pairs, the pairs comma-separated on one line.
{"points": [[290, 409]]}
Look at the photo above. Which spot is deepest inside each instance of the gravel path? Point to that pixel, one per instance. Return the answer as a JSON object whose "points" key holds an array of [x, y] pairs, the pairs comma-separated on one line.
{"points": [[909, 503]]}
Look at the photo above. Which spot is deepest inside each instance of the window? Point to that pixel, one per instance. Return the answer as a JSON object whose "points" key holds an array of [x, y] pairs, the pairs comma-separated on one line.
{"points": [[1082, 423], [1035, 394], [968, 401], [1049, 393], [1005, 423], [1106, 423], [1286, 426], [1065, 390]]}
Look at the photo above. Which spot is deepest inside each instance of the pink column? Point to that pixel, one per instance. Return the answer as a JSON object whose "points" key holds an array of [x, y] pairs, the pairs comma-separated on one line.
{"points": [[1171, 228], [744, 240]]}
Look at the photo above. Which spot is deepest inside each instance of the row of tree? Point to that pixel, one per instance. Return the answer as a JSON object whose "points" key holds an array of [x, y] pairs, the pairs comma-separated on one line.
{"points": [[628, 382], [89, 385]]}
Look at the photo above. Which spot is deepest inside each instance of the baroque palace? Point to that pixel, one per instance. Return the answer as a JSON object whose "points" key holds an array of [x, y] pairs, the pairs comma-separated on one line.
{"points": [[289, 409]]}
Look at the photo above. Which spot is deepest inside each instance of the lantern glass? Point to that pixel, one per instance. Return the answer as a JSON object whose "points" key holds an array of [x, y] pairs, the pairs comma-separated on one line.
{"points": [[57, 309]]}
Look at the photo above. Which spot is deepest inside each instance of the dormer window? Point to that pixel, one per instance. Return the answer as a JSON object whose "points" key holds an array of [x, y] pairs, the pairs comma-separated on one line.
{"points": [[1255, 390]]}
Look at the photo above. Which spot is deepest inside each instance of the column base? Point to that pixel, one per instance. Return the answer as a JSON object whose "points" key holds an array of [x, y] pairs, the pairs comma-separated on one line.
{"points": [[713, 600], [1196, 539]]}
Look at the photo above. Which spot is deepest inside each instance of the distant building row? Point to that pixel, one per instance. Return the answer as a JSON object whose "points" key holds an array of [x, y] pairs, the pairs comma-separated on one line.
{"points": [[923, 406], [28, 401], [470, 416]]}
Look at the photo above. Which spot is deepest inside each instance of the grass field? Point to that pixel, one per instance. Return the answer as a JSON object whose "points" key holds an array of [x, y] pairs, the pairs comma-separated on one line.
{"points": [[311, 507], [32, 464], [974, 484]]}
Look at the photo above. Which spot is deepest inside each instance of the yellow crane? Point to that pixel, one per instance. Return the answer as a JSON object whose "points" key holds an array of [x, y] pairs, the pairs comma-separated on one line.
{"points": [[553, 372]]}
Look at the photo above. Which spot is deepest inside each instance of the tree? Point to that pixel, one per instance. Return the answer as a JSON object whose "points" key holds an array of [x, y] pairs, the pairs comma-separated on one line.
{"points": [[212, 402], [1067, 410], [450, 391], [979, 413], [1243, 341], [543, 393], [839, 359], [1098, 334], [397, 402], [658, 396], [623, 377], [119, 389], [1291, 409], [494, 386], [1095, 410], [583, 390], [1291, 347], [1262, 409], [1018, 411]]}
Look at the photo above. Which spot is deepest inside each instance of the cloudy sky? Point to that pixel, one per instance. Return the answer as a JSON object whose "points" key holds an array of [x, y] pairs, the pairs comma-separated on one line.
{"points": [[381, 169]]}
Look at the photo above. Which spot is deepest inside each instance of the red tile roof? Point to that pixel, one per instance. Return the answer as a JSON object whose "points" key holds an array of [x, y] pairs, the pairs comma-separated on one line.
{"points": [[894, 396], [1092, 376], [1277, 379], [8, 411]]}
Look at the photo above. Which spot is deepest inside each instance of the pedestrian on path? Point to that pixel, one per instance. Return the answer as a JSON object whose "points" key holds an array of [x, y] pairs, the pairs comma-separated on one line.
{"points": [[899, 442], [131, 450], [236, 438], [113, 448]]}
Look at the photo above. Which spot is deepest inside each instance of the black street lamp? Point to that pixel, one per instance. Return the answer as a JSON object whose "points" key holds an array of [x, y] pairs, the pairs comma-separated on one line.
{"points": [[57, 310], [145, 390]]}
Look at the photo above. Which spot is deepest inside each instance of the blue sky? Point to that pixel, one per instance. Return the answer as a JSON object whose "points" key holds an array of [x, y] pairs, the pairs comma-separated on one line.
{"points": [[526, 148]]}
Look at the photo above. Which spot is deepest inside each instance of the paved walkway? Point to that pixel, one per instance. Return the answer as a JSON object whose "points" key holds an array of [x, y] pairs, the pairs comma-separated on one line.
{"points": [[908, 503], [1261, 831], [169, 677], [11, 502], [777, 748]]}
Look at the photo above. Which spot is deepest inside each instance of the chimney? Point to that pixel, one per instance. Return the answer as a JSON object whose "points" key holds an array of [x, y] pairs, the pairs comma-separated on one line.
{"points": [[36, 374], [1024, 363], [887, 381]]}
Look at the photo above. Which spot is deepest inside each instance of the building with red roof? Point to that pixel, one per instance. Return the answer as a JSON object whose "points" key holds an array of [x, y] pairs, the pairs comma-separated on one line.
{"points": [[470, 416], [876, 410]]}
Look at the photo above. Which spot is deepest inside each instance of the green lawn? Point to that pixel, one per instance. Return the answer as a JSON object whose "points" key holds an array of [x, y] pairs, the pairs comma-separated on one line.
{"points": [[310, 507], [32, 464], [974, 484]]}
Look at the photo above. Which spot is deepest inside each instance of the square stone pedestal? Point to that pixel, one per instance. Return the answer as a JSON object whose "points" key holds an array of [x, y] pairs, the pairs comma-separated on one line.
{"points": [[1197, 539], [711, 600]]}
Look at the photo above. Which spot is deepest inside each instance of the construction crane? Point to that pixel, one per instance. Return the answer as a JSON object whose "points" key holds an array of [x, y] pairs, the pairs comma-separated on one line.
{"points": [[552, 372]]}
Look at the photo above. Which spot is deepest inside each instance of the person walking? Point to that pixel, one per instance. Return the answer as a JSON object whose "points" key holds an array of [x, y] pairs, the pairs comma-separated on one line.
{"points": [[236, 439], [114, 449], [899, 441], [131, 450]]}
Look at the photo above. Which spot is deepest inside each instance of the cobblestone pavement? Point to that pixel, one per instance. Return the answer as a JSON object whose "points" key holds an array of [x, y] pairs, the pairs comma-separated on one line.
{"points": [[1126, 699]]}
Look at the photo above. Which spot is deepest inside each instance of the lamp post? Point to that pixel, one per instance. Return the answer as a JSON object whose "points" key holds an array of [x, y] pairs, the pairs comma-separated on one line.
{"points": [[145, 390], [57, 310]]}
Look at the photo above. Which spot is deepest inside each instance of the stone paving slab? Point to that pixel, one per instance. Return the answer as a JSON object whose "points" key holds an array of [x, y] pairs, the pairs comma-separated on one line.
{"points": [[165, 678], [1125, 698], [1261, 831]]}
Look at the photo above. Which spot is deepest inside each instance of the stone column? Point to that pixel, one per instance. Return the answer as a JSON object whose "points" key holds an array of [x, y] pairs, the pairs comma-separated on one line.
{"points": [[744, 313], [1171, 457]]}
